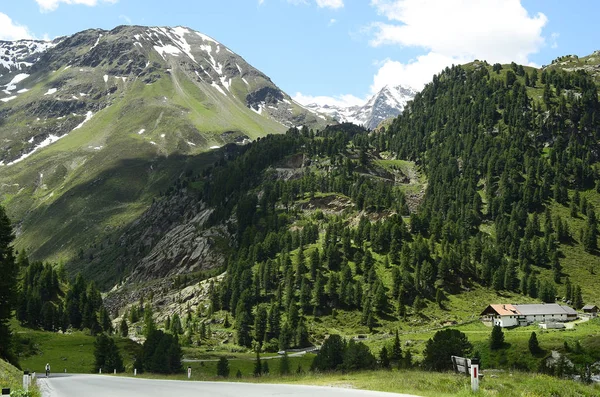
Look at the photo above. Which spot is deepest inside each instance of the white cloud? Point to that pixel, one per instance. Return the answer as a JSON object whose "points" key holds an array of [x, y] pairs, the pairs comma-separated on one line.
{"points": [[453, 32], [495, 30], [261, 2], [334, 4], [415, 73], [340, 100], [51, 5], [332, 21], [10, 30]]}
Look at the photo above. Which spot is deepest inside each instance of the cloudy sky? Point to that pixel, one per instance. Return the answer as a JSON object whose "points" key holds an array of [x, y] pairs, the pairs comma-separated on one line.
{"points": [[339, 50]]}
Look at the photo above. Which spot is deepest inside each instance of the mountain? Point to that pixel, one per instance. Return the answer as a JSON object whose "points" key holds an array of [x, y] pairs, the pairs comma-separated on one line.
{"points": [[486, 189], [94, 125], [21, 54], [387, 103]]}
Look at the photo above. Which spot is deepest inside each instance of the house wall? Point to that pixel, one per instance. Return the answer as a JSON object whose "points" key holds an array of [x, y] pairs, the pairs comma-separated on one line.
{"points": [[538, 318], [506, 321]]}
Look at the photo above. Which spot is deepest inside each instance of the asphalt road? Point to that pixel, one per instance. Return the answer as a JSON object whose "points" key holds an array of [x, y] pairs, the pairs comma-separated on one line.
{"points": [[103, 386]]}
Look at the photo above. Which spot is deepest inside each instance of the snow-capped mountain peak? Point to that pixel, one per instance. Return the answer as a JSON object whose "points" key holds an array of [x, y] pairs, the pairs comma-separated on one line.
{"points": [[388, 102]]}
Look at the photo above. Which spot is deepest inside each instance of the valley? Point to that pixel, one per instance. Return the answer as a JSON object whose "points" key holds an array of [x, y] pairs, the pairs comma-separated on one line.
{"points": [[165, 205]]}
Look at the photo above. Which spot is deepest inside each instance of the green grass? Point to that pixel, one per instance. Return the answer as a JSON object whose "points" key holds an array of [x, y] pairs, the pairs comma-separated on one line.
{"points": [[12, 378], [505, 384], [73, 352]]}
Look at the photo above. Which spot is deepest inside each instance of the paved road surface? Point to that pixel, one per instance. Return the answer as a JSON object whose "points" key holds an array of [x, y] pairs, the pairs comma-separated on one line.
{"points": [[103, 386]]}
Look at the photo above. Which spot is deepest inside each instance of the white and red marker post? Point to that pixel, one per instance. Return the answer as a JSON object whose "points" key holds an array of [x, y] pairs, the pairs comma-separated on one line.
{"points": [[475, 374]]}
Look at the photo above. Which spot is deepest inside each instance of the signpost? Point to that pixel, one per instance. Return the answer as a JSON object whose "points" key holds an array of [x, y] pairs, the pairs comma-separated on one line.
{"points": [[475, 374], [26, 380], [470, 367], [189, 372]]}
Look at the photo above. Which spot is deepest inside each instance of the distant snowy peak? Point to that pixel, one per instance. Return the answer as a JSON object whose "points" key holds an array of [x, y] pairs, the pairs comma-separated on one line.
{"points": [[18, 55], [387, 103]]}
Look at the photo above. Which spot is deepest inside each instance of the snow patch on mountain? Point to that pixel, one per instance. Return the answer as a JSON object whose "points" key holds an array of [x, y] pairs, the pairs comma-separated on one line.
{"points": [[167, 49], [46, 142], [16, 80], [18, 55], [97, 42], [88, 117], [218, 87]]}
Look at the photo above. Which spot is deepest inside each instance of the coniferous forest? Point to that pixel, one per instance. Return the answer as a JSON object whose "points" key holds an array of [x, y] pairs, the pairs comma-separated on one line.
{"points": [[475, 186]]}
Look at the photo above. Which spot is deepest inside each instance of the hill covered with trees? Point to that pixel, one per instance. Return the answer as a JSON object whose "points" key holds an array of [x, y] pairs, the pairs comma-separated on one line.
{"points": [[487, 182]]}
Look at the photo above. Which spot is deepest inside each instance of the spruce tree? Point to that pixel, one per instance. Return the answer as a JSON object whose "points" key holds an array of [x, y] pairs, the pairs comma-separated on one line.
{"points": [[384, 359], [223, 367], [496, 338], [534, 346], [124, 328], [396, 353], [257, 365], [284, 365], [8, 285]]}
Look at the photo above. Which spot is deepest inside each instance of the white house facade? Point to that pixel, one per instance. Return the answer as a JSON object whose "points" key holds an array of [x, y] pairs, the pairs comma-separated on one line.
{"points": [[507, 315]]}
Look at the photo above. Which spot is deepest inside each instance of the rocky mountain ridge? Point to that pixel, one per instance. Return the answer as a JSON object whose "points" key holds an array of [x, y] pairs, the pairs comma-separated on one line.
{"points": [[94, 125], [387, 103]]}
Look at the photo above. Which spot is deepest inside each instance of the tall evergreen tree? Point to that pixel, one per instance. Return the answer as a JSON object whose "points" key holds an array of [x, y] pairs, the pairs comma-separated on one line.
{"points": [[8, 286]]}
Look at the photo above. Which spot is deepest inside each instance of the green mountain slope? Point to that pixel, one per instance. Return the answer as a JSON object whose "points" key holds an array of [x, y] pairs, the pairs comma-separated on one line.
{"points": [[97, 124], [485, 190]]}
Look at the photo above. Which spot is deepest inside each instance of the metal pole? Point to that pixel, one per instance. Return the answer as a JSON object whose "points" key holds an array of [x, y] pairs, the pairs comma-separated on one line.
{"points": [[475, 374]]}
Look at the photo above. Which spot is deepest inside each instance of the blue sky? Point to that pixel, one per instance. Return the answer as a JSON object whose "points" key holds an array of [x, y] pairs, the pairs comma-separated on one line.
{"points": [[339, 50]]}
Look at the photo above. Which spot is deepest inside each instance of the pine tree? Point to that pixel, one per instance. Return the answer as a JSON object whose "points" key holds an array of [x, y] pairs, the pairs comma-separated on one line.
{"points": [[284, 365], [223, 367], [8, 285], [577, 298], [257, 365], [534, 346], [149, 324], [226, 323], [384, 360], [396, 353], [124, 328], [496, 338], [176, 328]]}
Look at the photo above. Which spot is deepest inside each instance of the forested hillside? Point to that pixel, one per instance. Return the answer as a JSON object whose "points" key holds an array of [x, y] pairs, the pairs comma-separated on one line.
{"points": [[485, 186]]}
